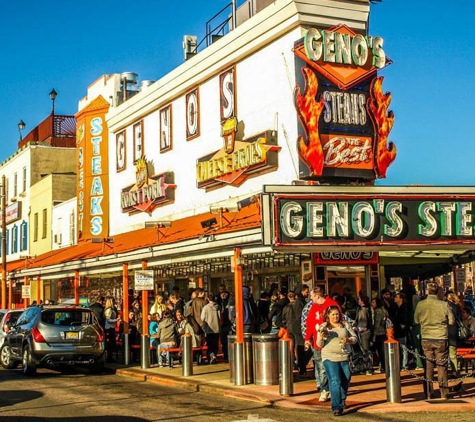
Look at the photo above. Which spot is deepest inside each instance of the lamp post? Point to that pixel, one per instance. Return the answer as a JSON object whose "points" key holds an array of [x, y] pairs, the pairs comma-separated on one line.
{"points": [[21, 126], [53, 94], [4, 244]]}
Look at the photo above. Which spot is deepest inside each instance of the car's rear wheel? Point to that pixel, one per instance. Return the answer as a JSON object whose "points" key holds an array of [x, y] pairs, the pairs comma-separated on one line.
{"points": [[6, 358], [29, 366]]}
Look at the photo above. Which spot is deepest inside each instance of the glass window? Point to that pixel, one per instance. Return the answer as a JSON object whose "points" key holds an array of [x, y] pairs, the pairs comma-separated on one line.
{"points": [[66, 317], [35, 227], [138, 141], [45, 222], [15, 185], [23, 236], [24, 179]]}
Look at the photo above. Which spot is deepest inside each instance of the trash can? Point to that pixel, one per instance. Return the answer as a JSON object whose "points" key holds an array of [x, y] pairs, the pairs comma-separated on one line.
{"points": [[266, 359], [249, 368]]}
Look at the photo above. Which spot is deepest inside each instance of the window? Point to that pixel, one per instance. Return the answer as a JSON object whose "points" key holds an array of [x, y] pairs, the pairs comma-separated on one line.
{"points": [[23, 236], [72, 228], [192, 114], [120, 151], [45, 223], [15, 239], [24, 180], [7, 249], [15, 185], [35, 227], [166, 129], [138, 141]]}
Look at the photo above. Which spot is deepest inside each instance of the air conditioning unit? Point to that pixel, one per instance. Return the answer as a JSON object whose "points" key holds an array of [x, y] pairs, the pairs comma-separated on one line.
{"points": [[190, 44]]}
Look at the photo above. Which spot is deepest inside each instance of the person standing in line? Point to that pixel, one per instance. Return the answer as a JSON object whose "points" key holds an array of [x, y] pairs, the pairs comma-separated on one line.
{"points": [[335, 338], [315, 318], [380, 315], [210, 315], [388, 303], [364, 325], [454, 304], [434, 316], [97, 309], [195, 311], [401, 327], [291, 320], [225, 322], [111, 319]]}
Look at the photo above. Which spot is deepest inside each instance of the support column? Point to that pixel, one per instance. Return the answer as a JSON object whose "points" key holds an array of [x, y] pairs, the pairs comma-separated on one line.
{"points": [[76, 287], [125, 311], [26, 282], [10, 293], [240, 373], [145, 343], [38, 289]]}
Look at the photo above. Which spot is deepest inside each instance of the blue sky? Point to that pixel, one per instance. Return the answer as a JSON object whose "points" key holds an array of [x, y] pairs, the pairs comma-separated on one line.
{"points": [[68, 44]]}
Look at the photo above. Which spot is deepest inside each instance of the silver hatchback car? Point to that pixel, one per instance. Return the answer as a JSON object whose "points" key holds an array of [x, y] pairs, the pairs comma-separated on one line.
{"points": [[55, 337]]}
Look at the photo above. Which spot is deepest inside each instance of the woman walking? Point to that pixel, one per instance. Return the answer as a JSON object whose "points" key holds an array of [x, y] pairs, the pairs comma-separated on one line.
{"points": [[335, 337]]}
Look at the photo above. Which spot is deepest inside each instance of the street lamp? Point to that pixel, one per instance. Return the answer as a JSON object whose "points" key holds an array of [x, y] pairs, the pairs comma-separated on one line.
{"points": [[21, 126], [53, 94]]}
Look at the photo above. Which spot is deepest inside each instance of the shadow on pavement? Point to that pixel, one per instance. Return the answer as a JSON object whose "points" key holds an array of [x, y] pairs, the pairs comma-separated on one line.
{"points": [[10, 398], [78, 419]]}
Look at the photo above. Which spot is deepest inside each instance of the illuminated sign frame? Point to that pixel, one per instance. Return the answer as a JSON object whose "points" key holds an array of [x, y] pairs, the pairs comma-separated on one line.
{"points": [[326, 222], [344, 116]]}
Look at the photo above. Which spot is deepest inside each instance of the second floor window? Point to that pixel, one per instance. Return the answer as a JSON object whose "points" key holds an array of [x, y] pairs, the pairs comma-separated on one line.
{"points": [[24, 179], [35, 227], [15, 185], [45, 223]]}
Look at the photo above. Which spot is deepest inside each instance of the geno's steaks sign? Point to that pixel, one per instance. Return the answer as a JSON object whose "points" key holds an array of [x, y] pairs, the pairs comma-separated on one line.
{"points": [[386, 221]]}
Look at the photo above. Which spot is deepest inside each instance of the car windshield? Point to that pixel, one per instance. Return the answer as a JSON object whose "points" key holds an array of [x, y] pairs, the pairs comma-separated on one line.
{"points": [[66, 317]]}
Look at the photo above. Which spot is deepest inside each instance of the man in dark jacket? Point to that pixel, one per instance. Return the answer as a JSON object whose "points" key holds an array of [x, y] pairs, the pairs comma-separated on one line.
{"points": [[277, 311], [97, 309], [291, 320], [401, 326]]}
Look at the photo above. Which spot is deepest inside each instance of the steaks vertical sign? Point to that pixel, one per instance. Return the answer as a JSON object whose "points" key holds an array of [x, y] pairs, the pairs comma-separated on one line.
{"points": [[344, 115], [92, 170]]}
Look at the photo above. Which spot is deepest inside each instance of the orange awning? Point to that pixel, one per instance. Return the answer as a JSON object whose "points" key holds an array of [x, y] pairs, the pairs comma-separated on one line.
{"points": [[248, 217]]}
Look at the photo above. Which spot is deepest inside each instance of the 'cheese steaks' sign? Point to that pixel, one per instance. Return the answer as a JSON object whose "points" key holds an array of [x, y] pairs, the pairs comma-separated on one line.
{"points": [[237, 160], [364, 220], [343, 112]]}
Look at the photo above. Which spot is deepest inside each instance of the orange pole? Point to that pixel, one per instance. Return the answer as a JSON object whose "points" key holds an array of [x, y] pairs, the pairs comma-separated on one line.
{"points": [[10, 294], [38, 289], [238, 296], [358, 285], [144, 305], [200, 282], [25, 300], [125, 299], [76, 287]]}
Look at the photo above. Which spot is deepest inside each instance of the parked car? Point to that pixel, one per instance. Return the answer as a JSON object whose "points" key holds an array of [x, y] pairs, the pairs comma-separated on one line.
{"points": [[54, 337], [7, 317]]}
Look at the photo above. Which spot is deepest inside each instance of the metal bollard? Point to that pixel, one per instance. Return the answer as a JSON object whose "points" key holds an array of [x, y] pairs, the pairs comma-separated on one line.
{"points": [[393, 371], [187, 366], [145, 352], [239, 369], [286, 375], [126, 350]]}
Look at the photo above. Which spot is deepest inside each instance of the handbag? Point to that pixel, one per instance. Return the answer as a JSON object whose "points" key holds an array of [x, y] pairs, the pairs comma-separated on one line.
{"points": [[463, 332], [360, 360]]}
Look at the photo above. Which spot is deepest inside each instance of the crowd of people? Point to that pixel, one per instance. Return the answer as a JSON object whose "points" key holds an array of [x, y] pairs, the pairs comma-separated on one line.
{"points": [[323, 327]]}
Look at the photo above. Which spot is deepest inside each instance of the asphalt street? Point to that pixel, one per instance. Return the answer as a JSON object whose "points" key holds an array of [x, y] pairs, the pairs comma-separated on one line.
{"points": [[78, 396]]}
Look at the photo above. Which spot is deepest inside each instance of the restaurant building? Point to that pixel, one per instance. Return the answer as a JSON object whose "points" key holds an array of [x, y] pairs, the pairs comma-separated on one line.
{"points": [[270, 139]]}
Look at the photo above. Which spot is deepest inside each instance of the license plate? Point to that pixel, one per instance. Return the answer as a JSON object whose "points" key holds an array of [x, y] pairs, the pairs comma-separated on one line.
{"points": [[72, 335]]}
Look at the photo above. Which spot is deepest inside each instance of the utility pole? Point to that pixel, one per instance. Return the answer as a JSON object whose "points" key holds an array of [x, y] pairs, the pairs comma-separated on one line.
{"points": [[4, 244]]}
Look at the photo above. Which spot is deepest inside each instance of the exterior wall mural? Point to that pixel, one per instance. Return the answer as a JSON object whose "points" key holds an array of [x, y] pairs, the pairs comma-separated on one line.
{"points": [[92, 170], [344, 115]]}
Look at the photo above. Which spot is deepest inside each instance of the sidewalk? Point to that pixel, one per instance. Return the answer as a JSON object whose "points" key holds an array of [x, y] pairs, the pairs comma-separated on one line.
{"points": [[366, 392]]}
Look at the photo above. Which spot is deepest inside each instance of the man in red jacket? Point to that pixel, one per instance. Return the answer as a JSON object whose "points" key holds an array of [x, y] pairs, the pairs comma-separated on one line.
{"points": [[314, 320]]}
